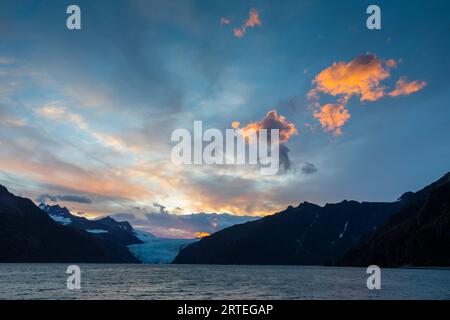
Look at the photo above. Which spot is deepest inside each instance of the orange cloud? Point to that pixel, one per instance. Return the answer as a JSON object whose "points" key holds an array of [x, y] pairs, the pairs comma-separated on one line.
{"points": [[235, 124], [252, 21], [202, 234], [332, 117], [271, 121], [404, 88], [360, 77], [238, 32]]}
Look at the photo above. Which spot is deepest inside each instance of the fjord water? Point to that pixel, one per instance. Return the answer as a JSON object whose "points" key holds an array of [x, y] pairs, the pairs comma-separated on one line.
{"points": [[106, 281]]}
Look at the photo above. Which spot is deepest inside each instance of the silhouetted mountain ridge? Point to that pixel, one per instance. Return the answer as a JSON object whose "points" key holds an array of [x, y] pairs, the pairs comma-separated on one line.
{"points": [[306, 234], [107, 228], [27, 234], [412, 231], [418, 235]]}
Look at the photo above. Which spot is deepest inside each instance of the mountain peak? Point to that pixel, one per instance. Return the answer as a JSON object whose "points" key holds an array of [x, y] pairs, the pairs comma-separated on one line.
{"points": [[306, 204], [106, 219], [406, 196]]}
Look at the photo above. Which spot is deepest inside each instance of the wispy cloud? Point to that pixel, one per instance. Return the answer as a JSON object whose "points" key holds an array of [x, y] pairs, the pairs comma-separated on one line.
{"points": [[224, 21], [404, 88], [309, 168], [253, 20], [55, 111], [67, 198]]}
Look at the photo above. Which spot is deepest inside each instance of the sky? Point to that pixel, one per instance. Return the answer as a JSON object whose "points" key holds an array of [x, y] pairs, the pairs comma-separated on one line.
{"points": [[86, 115]]}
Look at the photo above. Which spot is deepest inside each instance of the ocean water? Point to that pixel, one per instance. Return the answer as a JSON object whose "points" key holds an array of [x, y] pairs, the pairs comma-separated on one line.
{"points": [[106, 281]]}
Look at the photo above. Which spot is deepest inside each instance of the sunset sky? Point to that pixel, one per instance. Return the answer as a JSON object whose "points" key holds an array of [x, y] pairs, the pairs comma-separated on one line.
{"points": [[86, 116]]}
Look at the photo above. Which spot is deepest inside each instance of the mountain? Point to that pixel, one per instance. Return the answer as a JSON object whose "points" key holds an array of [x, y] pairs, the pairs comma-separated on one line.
{"points": [[106, 228], [27, 234], [418, 235], [307, 234], [144, 246]]}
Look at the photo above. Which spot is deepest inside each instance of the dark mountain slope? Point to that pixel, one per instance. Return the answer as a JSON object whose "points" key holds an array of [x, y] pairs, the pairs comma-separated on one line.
{"points": [[27, 234], [308, 234], [106, 228], [418, 235]]}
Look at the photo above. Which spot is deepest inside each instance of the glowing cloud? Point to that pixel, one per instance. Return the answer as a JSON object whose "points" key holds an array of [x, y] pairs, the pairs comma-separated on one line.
{"points": [[53, 111], [235, 124], [271, 121], [238, 32], [332, 117], [404, 88], [361, 77], [201, 234], [252, 21]]}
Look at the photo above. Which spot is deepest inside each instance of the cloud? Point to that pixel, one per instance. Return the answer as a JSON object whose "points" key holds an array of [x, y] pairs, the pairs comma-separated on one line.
{"points": [[309, 168], [202, 234], [67, 198], [238, 32], [361, 77], [162, 209], [54, 111], [6, 60], [252, 21], [332, 117], [291, 105], [103, 181], [273, 121], [404, 88], [224, 21]]}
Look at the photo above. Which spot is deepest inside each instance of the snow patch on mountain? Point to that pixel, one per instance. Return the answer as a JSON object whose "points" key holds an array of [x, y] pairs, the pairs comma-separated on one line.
{"points": [[61, 220], [345, 229], [96, 231]]}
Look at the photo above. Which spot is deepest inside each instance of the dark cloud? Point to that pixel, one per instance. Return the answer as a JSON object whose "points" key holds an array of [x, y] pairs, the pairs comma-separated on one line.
{"points": [[67, 198], [309, 168], [285, 162], [286, 129], [291, 105], [162, 209]]}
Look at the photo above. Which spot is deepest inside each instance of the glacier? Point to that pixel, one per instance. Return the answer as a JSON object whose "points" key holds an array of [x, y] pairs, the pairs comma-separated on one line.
{"points": [[156, 250]]}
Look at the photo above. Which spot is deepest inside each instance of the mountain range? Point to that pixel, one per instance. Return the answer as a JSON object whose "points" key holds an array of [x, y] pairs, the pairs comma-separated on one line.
{"points": [[412, 231], [415, 230], [105, 228], [28, 234]]}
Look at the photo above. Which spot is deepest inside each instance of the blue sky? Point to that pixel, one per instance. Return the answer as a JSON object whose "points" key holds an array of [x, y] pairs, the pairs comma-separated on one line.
{"points": [[90, 112]]}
